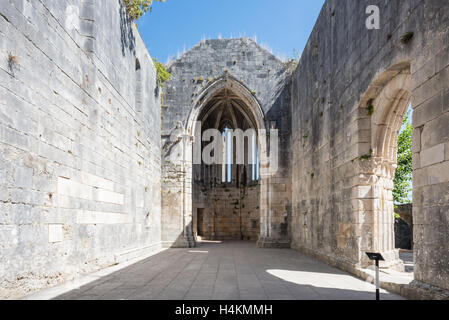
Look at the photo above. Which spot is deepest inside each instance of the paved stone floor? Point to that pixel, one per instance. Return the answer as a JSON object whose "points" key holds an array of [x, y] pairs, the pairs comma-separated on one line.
{"points": [[228, 271]]}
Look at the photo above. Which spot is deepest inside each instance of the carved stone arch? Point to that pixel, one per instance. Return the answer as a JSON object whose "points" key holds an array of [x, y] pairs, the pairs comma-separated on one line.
{"points": [[238, 88], [382, 108], [225, 102]]}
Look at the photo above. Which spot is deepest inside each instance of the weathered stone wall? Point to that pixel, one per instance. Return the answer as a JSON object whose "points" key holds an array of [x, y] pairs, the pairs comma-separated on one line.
{"points": [[263, 76], [405, 211], [349, 93], [81, 125], [403, 226], [79, 141], [230, 213]]}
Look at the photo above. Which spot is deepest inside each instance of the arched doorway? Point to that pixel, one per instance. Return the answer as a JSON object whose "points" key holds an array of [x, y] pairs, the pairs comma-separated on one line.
{"points": [[225, 198], [249, 197], [385, 104]]}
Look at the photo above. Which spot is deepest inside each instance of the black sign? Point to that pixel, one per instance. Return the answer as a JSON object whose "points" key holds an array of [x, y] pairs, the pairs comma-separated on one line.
{"points": [[375, 256]]}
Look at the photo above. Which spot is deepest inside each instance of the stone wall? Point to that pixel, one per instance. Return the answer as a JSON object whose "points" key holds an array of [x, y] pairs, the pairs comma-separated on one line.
{"points": [[405, 211], [229, 212], [194, 75], [349, 94], [83, 167], [79, 141], [403, 226]]}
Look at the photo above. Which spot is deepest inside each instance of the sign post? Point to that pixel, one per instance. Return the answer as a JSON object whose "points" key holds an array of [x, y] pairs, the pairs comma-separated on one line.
{"points": [[376, 257]]}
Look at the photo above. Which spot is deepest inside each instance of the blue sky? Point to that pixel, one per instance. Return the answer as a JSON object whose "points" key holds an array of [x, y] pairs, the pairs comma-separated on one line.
{"points": [[175, 25]]}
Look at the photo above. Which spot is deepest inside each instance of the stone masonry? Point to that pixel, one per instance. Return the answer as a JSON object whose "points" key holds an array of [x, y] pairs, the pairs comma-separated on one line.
{"points": [[96, 160], [350, 91], [213, 64], [79, 142]]}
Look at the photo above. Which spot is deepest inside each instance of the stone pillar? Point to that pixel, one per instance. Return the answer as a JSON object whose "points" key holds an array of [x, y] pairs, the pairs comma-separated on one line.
{"points": [[376, 212], [187, 240], [274, 190], [177, 189]]}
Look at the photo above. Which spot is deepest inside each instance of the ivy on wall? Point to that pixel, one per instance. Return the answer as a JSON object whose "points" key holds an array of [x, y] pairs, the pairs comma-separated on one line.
{"points": [[138, 8]]}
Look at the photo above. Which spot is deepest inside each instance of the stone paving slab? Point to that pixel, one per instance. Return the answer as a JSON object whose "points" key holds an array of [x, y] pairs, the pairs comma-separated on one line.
{"points": [[228, 271]]}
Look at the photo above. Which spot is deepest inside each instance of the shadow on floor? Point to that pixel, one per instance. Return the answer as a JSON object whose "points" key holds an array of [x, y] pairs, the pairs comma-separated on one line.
{"points": [[230, 270]]}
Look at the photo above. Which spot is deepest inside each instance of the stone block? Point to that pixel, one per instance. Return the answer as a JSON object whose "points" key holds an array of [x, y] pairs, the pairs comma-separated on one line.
{"points": [[446, 151], [416, 161], [23, 177], [362, 192], [428, 111], [55, 233], [432, 155], [9, 235], [4, 193], [442, 59], [445, 100], [438, 173], [435, 132], [416, 140]]}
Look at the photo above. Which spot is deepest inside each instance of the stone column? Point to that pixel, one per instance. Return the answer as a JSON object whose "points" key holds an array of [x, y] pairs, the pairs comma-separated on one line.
{"points": [[273, 189], [187, 239], [376, 212], [177, 215]]}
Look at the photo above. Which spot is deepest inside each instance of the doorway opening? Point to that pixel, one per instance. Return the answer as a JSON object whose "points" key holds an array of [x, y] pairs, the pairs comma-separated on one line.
{"points": [[226, 191], [387, 167], [403, 195]]}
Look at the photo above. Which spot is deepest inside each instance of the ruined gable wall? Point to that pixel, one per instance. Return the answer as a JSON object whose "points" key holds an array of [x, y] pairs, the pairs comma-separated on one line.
{"points": [[79, 142], [334, 215], [264, 76]]}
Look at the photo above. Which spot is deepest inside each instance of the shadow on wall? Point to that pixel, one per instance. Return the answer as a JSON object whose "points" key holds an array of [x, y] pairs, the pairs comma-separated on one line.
{"points": [[185, 239], [403, 227], [280, 114], [127, 38]]}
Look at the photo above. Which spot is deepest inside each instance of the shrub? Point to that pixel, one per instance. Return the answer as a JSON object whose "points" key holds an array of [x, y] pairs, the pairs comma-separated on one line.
{"points": [[138, 8], [162, 74]]}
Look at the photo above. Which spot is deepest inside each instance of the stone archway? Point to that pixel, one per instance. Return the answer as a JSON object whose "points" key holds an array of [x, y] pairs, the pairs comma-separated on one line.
{"points": [[242, 112], [233, 200], [385, 104], [226, 193]]}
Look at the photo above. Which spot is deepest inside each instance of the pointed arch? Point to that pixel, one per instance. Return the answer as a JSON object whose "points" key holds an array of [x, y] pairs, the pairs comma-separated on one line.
{"points": [[239, 90]]}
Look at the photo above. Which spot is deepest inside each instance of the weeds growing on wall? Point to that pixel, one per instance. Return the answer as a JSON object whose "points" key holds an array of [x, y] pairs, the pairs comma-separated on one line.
{"points": [[138, 8], [162, 74], [294, 60]]}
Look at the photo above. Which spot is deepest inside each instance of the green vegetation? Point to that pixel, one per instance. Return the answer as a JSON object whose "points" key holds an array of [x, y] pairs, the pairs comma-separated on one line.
{"points": [[162, 74], [367, 156], [403, 177], [405, 38], [138, 8]]}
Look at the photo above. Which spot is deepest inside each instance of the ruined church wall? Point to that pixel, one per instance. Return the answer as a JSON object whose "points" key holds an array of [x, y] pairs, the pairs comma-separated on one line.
{"points": [[344, 64], [229, 212], [268, 79], [79, 142]]}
